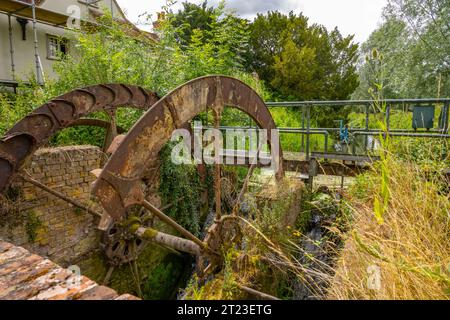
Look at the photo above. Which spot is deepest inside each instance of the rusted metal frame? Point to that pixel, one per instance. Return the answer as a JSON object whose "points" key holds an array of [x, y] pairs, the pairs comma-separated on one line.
{"points": [[111, 131], [58, 194], [243, 189], [108, 275], [245, 185], [355, 102]]}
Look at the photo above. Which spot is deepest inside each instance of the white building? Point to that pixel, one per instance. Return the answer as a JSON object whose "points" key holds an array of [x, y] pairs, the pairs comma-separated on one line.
{"points": [[33, 33]]}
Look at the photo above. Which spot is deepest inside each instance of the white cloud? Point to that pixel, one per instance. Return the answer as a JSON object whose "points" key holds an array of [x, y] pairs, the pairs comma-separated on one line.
{"points": [[359, 17]]}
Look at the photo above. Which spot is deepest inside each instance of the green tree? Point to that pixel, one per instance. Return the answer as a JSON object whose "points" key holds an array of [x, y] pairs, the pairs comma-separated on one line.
{"points": [[192, 17], [391, 41], [294, 70], [414, 42], [267, 35], [221, 33], [301, 61]]}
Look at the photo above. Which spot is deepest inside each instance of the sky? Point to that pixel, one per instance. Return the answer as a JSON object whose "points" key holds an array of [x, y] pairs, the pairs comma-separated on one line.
{"points": [[358, 17]]}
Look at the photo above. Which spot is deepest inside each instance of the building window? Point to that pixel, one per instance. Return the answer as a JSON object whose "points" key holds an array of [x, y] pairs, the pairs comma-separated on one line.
{"points": [[56, 47]]}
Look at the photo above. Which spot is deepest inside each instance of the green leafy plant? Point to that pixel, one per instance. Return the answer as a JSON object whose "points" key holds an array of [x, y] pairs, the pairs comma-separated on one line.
{"points": [[33, 223]]}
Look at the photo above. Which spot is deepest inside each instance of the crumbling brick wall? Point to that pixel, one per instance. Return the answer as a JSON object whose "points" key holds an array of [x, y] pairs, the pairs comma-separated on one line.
{"points": [[49, 226]]}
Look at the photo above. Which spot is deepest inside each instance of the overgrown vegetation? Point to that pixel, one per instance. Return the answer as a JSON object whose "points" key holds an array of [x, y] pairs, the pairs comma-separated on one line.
{"points": [[272, 257], [181, 187], [33, 223], [410, 248], [394, 220], [120, 58]]}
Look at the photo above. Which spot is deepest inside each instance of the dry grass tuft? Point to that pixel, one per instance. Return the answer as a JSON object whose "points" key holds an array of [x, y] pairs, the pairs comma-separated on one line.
{"points": [[411, 249]]}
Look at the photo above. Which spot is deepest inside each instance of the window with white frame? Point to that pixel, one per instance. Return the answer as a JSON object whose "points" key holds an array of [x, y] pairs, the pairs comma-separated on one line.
{"points": [[56, 47]]}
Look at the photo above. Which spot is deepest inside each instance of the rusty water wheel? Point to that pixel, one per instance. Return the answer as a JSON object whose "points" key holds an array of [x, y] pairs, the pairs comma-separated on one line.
{"points": [[68, 110], [120, 184]]}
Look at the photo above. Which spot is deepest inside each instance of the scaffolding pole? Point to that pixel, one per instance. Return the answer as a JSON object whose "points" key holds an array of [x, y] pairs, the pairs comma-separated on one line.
{"points": [[11, 49], [39, 77]]}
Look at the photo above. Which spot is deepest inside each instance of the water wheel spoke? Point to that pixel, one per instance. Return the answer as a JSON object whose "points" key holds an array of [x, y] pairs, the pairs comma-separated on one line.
{"points": [[112, 131], [135, 270], [108, 275]]}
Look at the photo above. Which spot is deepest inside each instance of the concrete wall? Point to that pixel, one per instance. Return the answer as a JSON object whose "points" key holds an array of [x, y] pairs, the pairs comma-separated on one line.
{"points": [[49, 226]]}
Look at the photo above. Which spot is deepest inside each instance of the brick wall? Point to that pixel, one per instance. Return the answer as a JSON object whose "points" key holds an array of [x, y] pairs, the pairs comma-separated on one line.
{"points": [[26, 276], [49, 226]]}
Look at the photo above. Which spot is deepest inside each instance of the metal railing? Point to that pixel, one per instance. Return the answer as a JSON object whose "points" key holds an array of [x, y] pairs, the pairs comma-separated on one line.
{"points": [[307, 130], [369, 108]]}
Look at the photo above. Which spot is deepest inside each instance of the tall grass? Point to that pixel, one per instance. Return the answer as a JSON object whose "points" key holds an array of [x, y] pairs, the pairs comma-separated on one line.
{"points": [[411, 248]]}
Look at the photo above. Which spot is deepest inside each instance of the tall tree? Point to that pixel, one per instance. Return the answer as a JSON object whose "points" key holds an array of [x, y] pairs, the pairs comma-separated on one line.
{"points": [[192, 17], [416, 52], [211, 29], [300, 61]]}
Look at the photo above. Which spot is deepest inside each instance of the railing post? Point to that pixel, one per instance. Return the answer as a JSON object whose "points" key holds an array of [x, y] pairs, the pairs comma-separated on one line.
{"points": [[388, 117], [367, 107], [308, 127], [303, 130], [446, 117]]}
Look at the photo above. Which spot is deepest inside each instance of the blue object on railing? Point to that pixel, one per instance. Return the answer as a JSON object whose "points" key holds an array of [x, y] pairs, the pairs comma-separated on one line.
{"points": [[343, 132]]}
